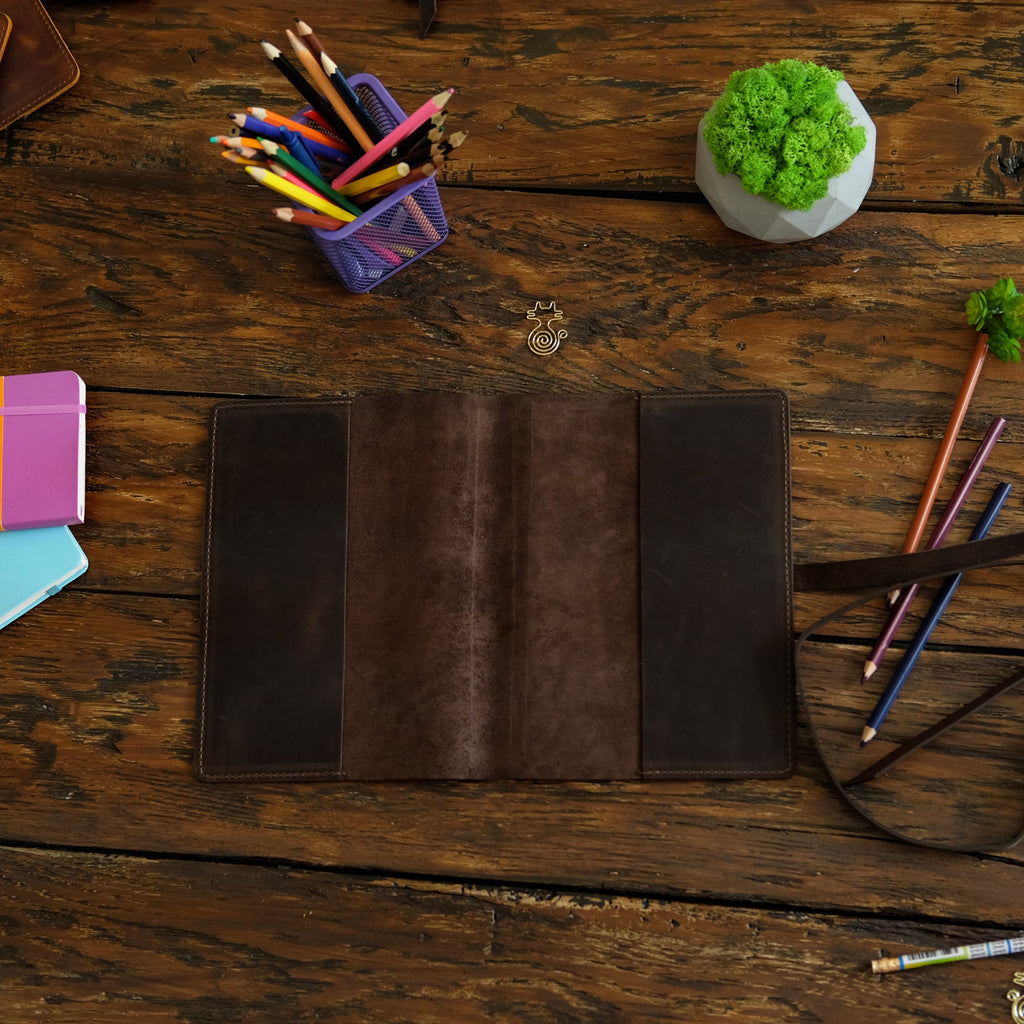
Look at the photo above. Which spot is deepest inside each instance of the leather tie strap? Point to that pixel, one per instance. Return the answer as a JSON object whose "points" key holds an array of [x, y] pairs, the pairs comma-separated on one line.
{"points": [[891, 571], [879, 576]]}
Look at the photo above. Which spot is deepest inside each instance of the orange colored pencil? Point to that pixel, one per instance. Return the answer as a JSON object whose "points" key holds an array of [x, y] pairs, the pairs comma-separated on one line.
{"points": [[280, 121], [942, 456], [326, 87], [236, 158], [238, 145]]}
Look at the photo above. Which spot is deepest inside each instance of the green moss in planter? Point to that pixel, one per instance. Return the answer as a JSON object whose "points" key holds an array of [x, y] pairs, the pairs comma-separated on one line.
{"points": [[784, 131]]}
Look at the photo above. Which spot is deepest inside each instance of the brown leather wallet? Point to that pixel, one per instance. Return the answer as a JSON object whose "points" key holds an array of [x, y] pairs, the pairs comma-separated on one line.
{"points": [[453, 586], [37, 65], [5, 32]]}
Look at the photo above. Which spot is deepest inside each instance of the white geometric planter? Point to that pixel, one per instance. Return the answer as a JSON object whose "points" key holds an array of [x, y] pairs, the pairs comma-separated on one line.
{"points": [[767, 220]]}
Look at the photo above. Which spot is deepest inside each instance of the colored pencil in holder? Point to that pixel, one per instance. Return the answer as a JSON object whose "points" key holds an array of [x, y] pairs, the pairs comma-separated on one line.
{"points": [[299, 151], [393, 232], [307, 91], [309, 38], [233, 156], [325, 85], [351, 97], [369, 182], [400, 131], [420, 173], [307, 218], [298, 194], [313, 179], [319, 143]]}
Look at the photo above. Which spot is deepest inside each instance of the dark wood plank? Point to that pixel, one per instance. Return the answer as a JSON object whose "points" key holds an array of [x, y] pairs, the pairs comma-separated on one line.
{"points": [[97, 939], [864, 328], [96, 752], [130, 252], [852, 496], [588, 97]]}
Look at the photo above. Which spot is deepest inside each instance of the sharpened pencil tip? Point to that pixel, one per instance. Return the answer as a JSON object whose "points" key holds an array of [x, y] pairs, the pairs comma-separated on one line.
{"points": [[869, 670], [269, 49], [867, 735]]}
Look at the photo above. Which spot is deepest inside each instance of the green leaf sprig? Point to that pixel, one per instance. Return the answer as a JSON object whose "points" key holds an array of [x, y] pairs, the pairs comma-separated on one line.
{"points": [[999, 312]]}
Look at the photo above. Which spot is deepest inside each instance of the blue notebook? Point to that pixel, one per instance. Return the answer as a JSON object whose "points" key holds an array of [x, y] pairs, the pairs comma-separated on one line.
{"points": [[34, 565]]}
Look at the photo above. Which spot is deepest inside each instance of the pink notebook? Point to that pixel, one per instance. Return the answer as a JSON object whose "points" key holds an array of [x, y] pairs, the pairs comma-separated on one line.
{"points": [[42, 450]]}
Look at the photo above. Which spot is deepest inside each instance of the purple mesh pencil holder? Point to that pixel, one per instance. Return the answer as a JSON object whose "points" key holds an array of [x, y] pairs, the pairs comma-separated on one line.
{"points": [[393, 232]]}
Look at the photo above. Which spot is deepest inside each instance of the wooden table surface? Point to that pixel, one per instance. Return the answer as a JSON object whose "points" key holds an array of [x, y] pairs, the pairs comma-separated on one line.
{"points": [[132, 254]]}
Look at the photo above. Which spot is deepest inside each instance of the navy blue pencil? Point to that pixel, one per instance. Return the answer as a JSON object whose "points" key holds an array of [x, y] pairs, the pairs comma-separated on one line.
{"points": [[310, 95], [929, 622], [351, 97]]}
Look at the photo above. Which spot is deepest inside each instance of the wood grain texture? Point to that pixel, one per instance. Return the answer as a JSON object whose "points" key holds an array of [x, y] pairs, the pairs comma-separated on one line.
{"points": [[589, 97], [865, 328], [130, 252], [146, 472], [103, 940], [97, 746]]}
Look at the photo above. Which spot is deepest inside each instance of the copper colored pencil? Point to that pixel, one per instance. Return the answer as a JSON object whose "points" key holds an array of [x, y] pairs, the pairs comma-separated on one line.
{"points": [[936, 540], [308, 219], [942, 456], [308, 36]]}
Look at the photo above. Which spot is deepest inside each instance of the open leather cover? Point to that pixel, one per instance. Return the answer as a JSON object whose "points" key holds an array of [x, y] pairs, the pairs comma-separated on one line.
{"points": [[498, 587]]}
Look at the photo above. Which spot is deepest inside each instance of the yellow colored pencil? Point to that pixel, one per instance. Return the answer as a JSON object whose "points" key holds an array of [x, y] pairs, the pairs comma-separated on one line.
{"points": [[301, 196], [420, 173], [368, 182]]}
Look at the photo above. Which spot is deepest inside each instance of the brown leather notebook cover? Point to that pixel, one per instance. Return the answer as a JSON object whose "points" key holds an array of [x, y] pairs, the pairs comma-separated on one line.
{"points": [[5, 32], [36, 66], [497, 587]]}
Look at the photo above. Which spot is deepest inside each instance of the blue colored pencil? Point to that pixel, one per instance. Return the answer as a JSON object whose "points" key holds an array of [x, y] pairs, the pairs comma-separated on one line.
{"points": [[351, 97], [250, 125], [929, 622], [296, 145]]}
